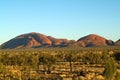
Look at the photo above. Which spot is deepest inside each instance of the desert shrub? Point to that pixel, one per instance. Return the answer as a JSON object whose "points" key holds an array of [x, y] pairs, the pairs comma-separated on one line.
{"points": [[92, 58], [1, 67], [110, 69], [47, 60], [71, 57], [117, 77], [117, 56]]}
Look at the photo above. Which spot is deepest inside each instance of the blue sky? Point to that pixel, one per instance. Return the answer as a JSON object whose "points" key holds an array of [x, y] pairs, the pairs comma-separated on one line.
{"points": [[69, 19]]}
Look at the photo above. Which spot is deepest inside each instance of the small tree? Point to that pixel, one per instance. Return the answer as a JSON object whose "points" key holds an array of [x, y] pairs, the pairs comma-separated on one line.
{"points": [[110, 69], [71, 57], [35, 62], [1, 67], [48, 60]]}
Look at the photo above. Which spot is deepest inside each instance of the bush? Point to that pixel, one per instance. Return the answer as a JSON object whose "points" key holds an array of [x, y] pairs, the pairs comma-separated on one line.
{"points": [[92, 58], [110, 69], [1, 67], [117, 56], [117, 77]]}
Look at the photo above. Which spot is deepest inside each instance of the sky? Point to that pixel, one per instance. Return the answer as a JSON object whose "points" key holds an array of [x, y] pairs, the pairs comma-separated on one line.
{"points": [[71, 19]]}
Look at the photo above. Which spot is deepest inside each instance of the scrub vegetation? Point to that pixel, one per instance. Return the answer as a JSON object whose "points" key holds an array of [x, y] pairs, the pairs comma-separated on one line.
{"points": [[98, 63]]}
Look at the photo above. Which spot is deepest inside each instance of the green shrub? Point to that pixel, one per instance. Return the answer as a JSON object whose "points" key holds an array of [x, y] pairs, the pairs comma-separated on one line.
{"points": [[110, 69], [1, 67], [117, 77]]}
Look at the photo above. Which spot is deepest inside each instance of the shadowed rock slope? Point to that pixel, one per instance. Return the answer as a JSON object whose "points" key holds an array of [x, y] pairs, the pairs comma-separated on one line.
{"points": [[117, 43]]}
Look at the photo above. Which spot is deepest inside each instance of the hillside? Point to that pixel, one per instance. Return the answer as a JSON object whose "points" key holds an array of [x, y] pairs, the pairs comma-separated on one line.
{"points": [[36, 40], [94, 40], [33, 40], [117, 42]]}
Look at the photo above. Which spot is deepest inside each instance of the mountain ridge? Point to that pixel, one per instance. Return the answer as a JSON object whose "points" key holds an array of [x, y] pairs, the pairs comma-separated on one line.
{"points": [[35, 39]]}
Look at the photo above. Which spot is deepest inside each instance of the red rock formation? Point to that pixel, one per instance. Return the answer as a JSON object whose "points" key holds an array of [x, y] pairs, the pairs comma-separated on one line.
{"points": [[93, 40], [118, 42], [31, 40]]}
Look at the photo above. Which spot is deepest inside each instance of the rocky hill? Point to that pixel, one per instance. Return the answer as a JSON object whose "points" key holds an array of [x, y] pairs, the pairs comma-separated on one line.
{"points": [[33, 40], [36, 40], [94, 40], [117, 43]]}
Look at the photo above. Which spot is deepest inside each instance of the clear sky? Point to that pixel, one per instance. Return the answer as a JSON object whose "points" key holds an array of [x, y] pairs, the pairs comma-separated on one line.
{"points": [[69, 19]]}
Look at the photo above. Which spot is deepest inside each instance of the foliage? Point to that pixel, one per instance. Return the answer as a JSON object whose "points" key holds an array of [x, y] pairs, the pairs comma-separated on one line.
{"points": [[1, 67], [71, 57], [48, 60], [117, 56], [92, 58], [110, 69], [28, 60], [117, 77]]}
